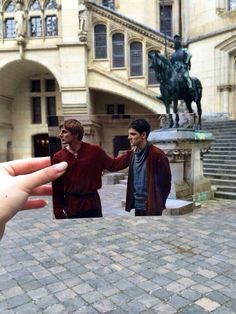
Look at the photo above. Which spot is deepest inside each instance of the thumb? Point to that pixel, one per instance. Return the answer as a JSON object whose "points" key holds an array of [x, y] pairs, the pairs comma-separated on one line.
{"points": [[30, 181]]}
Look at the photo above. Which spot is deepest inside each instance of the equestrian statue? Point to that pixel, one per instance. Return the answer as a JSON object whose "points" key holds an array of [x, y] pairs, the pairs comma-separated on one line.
{"points": [[175, 82]]}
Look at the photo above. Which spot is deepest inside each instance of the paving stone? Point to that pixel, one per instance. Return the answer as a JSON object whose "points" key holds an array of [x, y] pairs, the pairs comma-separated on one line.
{"points": [[65, 294], [120, 298], [218, 297], [148, 300], [207, 304], [190, 295], [54, 309], [18, 300], [11, 292], [104, 306], [38, 293], [164, 308], [193, 309]]}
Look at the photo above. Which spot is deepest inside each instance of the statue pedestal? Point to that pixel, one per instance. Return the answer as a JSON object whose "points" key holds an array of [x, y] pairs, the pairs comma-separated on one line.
{"points": [[184, 148]]}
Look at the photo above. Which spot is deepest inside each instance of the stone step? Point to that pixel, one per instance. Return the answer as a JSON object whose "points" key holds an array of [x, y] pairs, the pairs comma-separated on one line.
{"points": [[220, 166], [222, 137], [217, 147], [224, 188], [220, 152], [212, 171], [228, 131], [225, 195], [222, 182], [219, 124], [220, 157], [225, 139], [224, 176], [219, 161]]}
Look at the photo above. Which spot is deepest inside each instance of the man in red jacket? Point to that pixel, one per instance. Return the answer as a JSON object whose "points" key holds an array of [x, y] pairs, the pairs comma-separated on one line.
{"points": [[75, 193], [149, 178]]}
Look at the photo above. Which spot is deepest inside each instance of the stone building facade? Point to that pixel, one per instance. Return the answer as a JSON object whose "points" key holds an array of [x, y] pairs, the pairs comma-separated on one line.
{"points": [[89, 59]]}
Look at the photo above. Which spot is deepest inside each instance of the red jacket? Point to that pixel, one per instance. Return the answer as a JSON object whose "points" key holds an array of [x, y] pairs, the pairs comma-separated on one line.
{"points": [[158, 181], [83, 178]]}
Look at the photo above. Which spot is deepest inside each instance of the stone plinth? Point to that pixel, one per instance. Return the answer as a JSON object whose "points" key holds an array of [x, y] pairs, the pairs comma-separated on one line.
{"points": [[184, 148]]}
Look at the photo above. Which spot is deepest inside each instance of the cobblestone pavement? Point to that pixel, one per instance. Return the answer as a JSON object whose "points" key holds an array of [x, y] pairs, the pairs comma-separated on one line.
{"points": [[168, 264]]}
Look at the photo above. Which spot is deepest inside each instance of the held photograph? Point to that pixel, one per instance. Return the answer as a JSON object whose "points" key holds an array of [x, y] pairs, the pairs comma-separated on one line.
{"points": [[113, 169]]}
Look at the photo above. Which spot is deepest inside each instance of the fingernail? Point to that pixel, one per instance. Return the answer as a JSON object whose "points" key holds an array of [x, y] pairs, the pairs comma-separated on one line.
{"points": [[61, 166]]}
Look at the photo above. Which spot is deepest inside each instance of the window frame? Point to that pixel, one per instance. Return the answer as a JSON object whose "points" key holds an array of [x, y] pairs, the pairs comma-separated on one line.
{"points": [[30, 26], [133, 63], [98, 40], [115, 49], [36, 117], [166, 22], [46, 25], [151, 77], [13, 30]]}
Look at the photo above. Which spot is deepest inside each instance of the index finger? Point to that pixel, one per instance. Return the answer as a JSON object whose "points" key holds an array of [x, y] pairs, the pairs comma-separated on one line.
{"points": [[33, 180], [23, 166]]}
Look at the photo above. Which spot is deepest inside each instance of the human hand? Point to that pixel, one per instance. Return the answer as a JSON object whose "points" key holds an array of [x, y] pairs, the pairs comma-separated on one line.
{"points": [[22, 178]]}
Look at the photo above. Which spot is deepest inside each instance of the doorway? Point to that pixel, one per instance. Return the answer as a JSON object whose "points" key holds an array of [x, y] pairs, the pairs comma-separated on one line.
{"points": [[120, 143], [41, 145]]}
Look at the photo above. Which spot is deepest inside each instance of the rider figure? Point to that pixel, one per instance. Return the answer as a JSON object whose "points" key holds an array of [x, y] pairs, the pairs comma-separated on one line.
{"points": [[181, 61]]}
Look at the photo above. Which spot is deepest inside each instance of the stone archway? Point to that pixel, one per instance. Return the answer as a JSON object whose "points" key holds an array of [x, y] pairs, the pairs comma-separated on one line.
{"points": [[18, 101]]}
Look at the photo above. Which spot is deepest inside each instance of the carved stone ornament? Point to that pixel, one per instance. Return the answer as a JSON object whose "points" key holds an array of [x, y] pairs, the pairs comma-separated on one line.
{"points": [[178, 155]]}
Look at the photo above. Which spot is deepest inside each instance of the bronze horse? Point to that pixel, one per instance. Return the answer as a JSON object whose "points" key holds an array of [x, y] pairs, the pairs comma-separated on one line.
{"points": [[173, 87]]}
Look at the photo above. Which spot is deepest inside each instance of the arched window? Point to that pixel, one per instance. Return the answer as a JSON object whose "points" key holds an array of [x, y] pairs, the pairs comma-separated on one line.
{"points": [[35, 19], [136, 59], [100, 33], [35, 5], [118, 51], [51, 21], [51, 5], [152, 80], [10, 7], [9, 21]]}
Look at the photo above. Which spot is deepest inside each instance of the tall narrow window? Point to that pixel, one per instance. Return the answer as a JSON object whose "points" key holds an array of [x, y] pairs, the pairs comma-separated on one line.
{"points": [[109, 4], [51, 105], [36, 110], [136, 59], [100, 33], [118, 51], [152, 80], [36, 26], [232, 4], [51, 25], [166, 19], [10, 28]]}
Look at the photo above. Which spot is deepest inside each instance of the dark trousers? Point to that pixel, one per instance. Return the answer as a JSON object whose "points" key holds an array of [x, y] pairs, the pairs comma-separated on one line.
{"points": [[140, 212], [91, 213], [143, 213]]}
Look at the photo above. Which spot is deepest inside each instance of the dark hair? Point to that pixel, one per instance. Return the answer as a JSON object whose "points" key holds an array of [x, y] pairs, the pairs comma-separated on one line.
{"points": [[73, 126], [140, 125]]}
